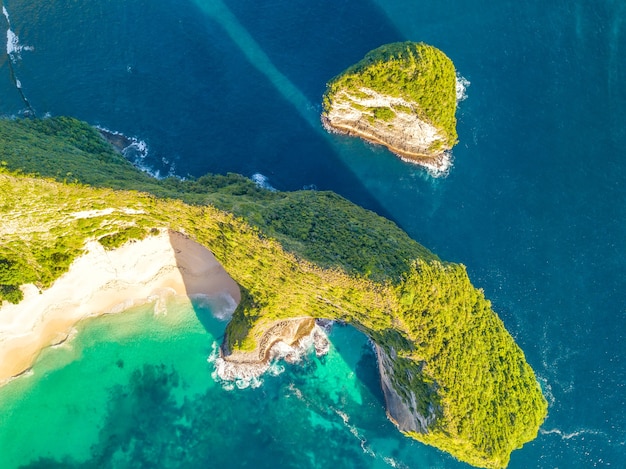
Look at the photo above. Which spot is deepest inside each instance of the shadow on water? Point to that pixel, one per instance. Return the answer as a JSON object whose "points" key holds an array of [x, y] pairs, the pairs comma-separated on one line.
{"points": [[168, 73], [356, 350], [311, 43], [213, 292]]}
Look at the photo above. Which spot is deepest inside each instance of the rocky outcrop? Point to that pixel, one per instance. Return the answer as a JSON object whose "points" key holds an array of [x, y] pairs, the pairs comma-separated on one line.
{"points": [[401, 95], [400, 411], [389, 121], [286, 339]]}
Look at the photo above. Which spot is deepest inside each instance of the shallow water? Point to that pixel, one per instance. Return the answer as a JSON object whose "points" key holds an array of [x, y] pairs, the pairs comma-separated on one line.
{"points": [[534, 205]]}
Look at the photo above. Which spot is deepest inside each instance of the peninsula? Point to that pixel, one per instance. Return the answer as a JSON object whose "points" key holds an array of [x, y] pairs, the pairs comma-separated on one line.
{"points": [[402, 96], [452, 375]]}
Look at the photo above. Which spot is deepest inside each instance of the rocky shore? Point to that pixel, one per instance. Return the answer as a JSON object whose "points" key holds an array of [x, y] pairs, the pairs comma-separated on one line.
{"points": [[288, 340]]}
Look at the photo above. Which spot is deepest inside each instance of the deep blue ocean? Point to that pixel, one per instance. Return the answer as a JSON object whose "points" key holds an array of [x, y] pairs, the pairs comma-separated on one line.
{"points": [[534, 206]]}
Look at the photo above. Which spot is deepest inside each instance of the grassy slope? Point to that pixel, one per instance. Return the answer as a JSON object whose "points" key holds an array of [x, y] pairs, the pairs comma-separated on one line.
{"points": [[293, 254], [417, 72]]}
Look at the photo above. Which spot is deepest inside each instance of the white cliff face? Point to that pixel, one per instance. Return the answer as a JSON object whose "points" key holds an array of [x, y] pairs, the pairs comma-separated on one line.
{"points": [[400, 411], [401, 130]]}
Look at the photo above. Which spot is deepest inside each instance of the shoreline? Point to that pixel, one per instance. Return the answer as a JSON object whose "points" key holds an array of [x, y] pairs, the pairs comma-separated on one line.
{"points": [[287, 340], [106, 282], [437, 165]]}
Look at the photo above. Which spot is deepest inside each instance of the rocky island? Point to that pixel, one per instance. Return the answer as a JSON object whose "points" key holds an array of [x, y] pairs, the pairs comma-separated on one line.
{"points": [[401, 95], [452, 376]]}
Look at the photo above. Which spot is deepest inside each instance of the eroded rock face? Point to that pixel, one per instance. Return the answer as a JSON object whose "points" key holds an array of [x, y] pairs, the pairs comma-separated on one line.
{"points": [[401, 412], [401, 95], [389, 121], [287, 339]]}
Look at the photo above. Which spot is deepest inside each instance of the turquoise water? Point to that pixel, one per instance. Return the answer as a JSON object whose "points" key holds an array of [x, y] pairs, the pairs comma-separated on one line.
{"points": [[136, 390], [534, 206]]}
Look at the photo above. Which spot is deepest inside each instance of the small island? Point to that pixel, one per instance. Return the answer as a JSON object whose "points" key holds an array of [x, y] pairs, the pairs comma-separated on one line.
{"points": [[402, 96], [452, 376]]}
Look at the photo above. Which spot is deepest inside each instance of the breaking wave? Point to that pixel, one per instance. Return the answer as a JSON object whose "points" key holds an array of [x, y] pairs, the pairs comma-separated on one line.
{"points": [[244, 375], [462, 84], [134, 150], [14, 49], [262, 181]]}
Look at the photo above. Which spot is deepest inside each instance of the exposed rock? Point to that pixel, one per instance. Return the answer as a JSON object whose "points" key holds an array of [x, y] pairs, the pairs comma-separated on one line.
{"points": [[400, 412], [287, 339], [405, 134], [402, 96]]}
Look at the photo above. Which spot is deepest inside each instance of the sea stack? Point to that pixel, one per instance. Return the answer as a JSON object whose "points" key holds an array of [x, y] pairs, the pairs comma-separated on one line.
{"points": [[401, 95]]}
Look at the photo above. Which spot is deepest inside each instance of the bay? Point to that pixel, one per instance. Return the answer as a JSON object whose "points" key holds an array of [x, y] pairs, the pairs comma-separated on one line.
{"points": [[534, 205]]}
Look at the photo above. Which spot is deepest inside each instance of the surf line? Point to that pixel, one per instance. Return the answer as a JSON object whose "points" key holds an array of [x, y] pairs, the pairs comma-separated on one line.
{"points": [[13, 49]]}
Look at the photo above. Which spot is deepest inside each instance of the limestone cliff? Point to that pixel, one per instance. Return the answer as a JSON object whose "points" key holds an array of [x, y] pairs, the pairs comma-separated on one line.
{"points": [[448, 365], [402, 96], [403, 413]]}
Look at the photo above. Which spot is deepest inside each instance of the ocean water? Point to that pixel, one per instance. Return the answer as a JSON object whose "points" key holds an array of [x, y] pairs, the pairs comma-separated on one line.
{"points": [[535, 207]]}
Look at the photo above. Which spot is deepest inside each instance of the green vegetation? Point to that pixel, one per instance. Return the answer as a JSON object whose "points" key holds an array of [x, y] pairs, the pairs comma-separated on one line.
{"points": [[294, 255], [454, 328], [384, 114], [415, 72], [321, 227]]}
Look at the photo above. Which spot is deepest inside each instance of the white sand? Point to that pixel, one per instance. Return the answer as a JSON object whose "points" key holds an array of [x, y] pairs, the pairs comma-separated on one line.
{"points": [[102, 282]]}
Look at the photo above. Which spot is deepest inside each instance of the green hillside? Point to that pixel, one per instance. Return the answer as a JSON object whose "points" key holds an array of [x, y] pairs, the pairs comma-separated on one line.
{"points": [[293, 254], [419, 73]]}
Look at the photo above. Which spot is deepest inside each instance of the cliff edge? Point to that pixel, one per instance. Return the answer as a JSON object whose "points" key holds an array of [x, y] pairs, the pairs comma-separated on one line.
{"points": [[402, 96], [453, 377]]}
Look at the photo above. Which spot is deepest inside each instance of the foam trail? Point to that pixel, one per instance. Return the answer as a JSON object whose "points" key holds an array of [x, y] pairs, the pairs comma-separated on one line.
{"points": [[14, 48], [574, 434]]}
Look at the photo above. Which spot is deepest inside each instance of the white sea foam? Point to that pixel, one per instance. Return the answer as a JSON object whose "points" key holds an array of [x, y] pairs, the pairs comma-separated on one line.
{"points": [[275, 369], [547, 390], [14, 48], [262, 181], [439, 169], [248, 375], [136, 152], [215, 352], [355, 432], [462, 84], [570, 435], [12, 42]]}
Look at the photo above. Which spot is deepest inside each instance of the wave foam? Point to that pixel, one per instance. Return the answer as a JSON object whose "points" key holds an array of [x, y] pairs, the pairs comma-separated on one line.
{"points": [[355, 432], [14, 48], [439, 169], [462, 84], [574, 434], [262, 181], [134, 150], [245, 375]]}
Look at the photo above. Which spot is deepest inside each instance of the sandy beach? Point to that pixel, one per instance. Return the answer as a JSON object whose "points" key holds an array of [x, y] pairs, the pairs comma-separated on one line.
{"points": [[103, 282]]}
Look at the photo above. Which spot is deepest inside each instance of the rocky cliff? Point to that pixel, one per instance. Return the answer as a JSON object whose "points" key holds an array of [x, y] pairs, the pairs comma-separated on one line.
{"points": [[448, 365], [402, 412], [402, 96]]}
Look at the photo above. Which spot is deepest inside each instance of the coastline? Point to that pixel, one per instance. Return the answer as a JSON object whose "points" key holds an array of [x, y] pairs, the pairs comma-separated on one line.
{"points": [[105, 282], [437, 165]]}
